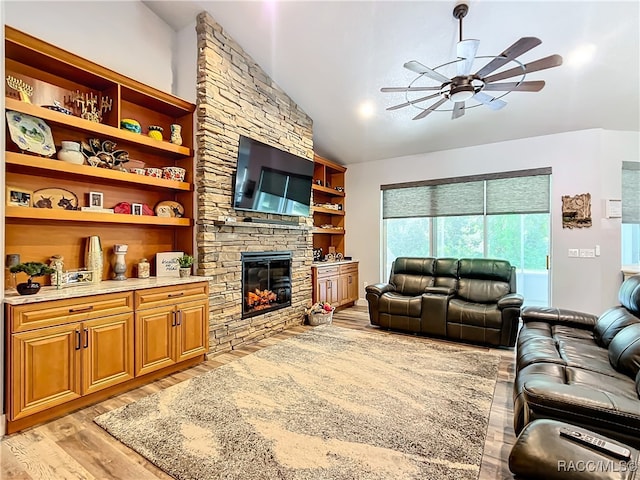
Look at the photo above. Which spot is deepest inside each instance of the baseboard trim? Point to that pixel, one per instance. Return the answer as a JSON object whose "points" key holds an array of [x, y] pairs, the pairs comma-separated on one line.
{"points": [[361, 302]]}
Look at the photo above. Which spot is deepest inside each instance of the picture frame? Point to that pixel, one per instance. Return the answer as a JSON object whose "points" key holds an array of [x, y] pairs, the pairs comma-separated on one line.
{"points": [[19, 197], [167, 264], [136, 209], [96, 200]]}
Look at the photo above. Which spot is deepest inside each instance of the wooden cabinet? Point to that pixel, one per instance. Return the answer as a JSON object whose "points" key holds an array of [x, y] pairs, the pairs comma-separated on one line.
{"points": [[67, 351], [336, 283], [328, 205], [55, 74], [63, 354], [171, 326]]}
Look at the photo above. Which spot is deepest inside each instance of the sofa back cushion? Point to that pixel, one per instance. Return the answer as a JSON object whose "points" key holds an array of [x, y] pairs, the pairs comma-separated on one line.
{"points": [[624, 350], [483, 280], [629, 294], [610, 323], [446, 273], [410, 275]]}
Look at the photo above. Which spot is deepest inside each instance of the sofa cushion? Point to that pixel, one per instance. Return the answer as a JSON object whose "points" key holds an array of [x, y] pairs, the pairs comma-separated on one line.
{"points": [[446, 272], [610, 323], [629, 294], [624, 350], [411, 276], [482, 291], [397, 304], [475, 314]]}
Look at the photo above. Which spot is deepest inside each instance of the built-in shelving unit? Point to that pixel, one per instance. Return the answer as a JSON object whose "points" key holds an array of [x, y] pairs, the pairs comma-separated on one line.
{"points": [[328, 205], [38, 233]]}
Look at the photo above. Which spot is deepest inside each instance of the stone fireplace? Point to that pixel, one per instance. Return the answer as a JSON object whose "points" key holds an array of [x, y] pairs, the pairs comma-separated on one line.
{"points": [[236, 97], [266, 282]]}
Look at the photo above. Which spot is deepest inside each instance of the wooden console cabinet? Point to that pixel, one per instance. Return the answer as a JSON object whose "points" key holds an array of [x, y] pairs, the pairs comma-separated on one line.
{"points": [[65, 354], [336, 283]]}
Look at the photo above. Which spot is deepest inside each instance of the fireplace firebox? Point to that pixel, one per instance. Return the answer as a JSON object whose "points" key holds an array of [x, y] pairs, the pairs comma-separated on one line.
{"points": [[266, 282]]}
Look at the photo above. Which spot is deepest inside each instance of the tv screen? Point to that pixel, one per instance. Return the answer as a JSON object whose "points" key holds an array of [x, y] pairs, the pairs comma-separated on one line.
{"points": [[270, 180]]}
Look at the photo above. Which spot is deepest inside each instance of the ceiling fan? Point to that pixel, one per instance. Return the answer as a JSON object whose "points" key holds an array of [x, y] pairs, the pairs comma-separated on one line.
{"points": [[464, 85]]}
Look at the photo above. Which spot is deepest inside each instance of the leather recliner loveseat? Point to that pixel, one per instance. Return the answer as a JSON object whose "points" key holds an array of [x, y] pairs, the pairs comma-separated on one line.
{"points": [[469, 299], [582, 369]]}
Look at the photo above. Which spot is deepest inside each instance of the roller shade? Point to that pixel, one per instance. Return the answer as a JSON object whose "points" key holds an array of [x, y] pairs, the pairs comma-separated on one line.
{"points": [[518, 195], [630, 192]]}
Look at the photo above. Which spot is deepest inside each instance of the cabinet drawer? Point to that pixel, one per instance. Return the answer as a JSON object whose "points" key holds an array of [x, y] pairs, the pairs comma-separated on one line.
{"points": [[327, 271], [60, 312], [349, 268], [157, 297]]}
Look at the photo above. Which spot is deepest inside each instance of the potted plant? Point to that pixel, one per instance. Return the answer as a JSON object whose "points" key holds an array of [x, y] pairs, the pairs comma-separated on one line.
{"points": [[185, 262], [33, 269]]}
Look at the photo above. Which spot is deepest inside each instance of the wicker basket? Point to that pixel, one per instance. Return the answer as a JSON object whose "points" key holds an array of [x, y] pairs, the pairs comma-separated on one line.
{"points": [[320, 318]]}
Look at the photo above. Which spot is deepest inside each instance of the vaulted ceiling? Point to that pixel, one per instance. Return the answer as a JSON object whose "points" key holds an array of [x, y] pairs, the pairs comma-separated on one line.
{"points": [[333, 57]]}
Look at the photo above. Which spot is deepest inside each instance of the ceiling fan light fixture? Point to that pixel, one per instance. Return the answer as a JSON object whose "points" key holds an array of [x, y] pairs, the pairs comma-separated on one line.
{"points": [[461, 93]]}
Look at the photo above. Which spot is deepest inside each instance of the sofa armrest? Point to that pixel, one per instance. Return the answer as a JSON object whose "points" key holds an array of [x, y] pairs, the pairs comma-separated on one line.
{"points": [[379, 288], [440, 290], [559, 316], [511, 300]]}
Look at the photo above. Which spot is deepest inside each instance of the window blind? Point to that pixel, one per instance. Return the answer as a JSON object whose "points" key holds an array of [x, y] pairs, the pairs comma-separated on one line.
{"points": [[522, 191], [630, 192]]}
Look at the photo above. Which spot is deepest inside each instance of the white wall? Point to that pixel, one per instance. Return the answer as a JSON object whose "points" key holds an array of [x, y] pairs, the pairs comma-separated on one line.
{"points": [[124, 36], [587, 161]]}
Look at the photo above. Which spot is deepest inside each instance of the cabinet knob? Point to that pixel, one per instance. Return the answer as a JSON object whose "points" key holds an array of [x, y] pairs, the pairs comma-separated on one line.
{"points": [[173, 295], [78, 340], [86, 338], [173, 319], [83, 309]]}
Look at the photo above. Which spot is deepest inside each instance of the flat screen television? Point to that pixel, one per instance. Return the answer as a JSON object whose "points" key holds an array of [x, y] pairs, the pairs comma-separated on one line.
{"points": [[270, 180]]}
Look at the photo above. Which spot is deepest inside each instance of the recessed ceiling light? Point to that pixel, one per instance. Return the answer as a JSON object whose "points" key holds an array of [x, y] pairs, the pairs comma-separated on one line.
{"points": [[366, 109], [581, 55]]}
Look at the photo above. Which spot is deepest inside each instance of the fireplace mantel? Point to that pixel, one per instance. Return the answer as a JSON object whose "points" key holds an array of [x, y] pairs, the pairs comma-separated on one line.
{"points": [[227, 223]]}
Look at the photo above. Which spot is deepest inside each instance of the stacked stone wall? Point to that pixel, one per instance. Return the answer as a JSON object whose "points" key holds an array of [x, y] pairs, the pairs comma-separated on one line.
{"points": [[236, 97]]}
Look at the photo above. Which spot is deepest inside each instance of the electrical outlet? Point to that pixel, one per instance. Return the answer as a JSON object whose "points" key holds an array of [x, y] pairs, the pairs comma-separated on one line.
{"points": [[573, 252], [589, 253]]}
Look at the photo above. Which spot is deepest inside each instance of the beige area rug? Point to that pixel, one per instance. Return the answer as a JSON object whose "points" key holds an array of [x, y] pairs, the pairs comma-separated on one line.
{"points": [[331, 403]]}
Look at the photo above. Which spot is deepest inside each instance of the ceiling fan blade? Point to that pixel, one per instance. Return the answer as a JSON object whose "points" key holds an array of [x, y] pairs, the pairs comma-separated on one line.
{"points": [[491, 102], [458, 110], [417, 67], [533, 86], [521, 46], [542, 64], [408, 89], [466, 49], [426, 112], [418, 100]]}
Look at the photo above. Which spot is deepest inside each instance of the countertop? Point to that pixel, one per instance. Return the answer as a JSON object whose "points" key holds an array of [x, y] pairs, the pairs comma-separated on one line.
{"points": [[106, 286], [335, 262]]}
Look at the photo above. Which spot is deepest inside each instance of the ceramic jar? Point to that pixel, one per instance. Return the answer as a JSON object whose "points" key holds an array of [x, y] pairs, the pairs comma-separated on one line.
{"points": [[155, 132], [70, 152], [153, 172], [174, 173], [176, 134], [144, 269]]}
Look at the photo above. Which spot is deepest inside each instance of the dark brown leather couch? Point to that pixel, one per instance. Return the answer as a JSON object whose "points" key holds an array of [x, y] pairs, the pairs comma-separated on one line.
{"points": [[582, 369], [468, 299]]}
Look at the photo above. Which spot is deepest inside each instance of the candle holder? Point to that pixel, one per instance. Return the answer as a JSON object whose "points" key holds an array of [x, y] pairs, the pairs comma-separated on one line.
{"points": [[120, 264]]}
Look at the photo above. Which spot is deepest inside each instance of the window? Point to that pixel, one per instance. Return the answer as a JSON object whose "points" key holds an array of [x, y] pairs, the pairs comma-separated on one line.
{"points": [[496, 216], [630, 231]]}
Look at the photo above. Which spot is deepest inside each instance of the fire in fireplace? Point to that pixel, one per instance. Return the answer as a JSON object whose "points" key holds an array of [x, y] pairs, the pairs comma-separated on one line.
{"points": [[266, 282]]}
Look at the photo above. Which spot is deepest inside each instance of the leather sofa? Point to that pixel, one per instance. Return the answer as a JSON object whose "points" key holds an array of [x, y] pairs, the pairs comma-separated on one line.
{"points": [[582, 369], [468, 299]]}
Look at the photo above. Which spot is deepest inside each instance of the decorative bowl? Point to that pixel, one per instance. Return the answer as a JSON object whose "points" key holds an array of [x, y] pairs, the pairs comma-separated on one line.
{"points": [[174, 173], [153, 172], [131, 125]]}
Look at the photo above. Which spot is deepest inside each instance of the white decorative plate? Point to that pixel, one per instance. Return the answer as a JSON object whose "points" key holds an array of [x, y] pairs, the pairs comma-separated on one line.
{"points": [[31, 134]]}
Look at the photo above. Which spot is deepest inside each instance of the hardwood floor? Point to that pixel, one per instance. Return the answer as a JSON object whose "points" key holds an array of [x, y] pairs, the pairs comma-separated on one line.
{"points": [[73, 447]]}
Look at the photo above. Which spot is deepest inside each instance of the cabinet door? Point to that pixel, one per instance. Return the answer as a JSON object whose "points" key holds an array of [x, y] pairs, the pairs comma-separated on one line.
{"points": [[327, 288], [45, 369], [192, 332], [154, 339], [352, 287], [343, 289], [107, 352]]}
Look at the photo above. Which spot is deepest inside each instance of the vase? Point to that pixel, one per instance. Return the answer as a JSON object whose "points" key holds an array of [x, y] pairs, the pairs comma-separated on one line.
{"points": [[28, 288], [155, 132], [57, 263], [185, 272], [93, 258], [70, 153], [176, 134], [120, 264]]}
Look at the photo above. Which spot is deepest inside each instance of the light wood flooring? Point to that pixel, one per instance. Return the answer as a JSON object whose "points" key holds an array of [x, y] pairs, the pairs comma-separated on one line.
{"points": [[73, 447]]}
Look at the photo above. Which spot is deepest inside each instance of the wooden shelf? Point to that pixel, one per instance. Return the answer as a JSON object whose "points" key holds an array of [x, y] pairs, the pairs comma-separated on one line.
{"points": [[328, 211], [326, 231], [56, 168], [94, 129], [31, 213], [327, 190]]}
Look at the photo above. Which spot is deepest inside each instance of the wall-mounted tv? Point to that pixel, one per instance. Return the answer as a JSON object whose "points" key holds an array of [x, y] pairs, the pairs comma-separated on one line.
{"points": [[270, 180]]}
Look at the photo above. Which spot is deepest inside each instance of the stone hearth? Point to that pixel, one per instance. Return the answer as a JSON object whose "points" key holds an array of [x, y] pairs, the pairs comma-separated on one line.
{"points": [[235, 96]]}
